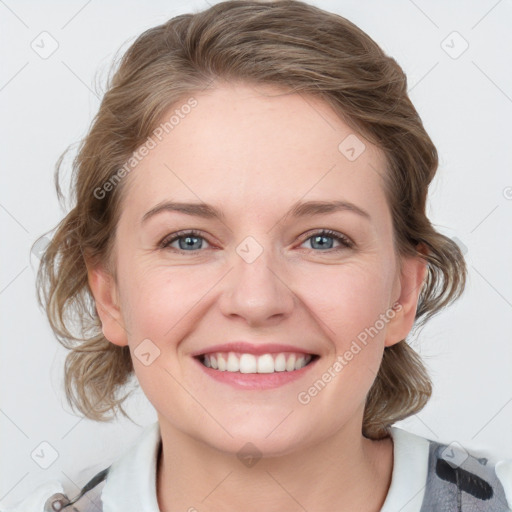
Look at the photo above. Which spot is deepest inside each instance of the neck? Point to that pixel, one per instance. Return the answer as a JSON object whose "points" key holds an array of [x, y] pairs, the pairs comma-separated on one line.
{"points": [[345, 472]]}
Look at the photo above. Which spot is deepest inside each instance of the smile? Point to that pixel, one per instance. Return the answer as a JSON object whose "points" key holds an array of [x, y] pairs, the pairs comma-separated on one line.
{"points": [[237, 362]]}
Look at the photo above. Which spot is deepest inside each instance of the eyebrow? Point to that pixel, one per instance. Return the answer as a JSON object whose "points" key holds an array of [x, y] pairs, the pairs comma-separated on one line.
{"points": [[299, 209]]}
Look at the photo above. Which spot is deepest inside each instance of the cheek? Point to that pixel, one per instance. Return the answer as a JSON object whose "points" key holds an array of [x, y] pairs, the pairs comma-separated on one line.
{"points": [[347, 298], [349, 311], [350, 303], [158, 300]]}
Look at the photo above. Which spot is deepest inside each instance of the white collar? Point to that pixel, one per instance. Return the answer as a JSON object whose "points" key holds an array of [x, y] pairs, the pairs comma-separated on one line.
{"points": [[409, 477], [131, 482]]}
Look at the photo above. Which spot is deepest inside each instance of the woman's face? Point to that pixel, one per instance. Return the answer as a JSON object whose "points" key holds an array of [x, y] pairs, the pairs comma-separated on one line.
{"points": [[258, 279]]}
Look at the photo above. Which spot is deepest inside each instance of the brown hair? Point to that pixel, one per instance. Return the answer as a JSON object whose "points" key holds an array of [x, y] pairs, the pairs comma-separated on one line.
{"points": [[301, 49]]}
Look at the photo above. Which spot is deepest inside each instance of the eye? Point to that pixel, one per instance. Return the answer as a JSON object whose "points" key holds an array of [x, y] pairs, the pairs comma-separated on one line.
{"points": [[320, 239], [186, 240], [191, 241]]}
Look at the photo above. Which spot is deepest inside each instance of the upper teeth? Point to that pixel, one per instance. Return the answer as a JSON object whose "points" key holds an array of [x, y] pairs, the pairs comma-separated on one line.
{"points": [[249, 363]]}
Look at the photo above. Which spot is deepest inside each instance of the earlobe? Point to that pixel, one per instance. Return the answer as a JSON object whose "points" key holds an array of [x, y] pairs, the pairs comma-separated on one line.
{"points": [[105, 293], [414, 271]]}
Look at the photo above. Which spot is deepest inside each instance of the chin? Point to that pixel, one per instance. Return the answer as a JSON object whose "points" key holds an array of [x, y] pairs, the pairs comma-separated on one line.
{"points": [[265, 439], [250, 448]]}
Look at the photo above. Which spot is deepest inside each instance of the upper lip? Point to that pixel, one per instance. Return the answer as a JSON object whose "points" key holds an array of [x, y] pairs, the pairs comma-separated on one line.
{"points": [[251, 348]]}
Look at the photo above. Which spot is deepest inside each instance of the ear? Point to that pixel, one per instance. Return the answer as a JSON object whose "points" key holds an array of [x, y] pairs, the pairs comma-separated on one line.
{"points": [[105, 293], [412, 276]]}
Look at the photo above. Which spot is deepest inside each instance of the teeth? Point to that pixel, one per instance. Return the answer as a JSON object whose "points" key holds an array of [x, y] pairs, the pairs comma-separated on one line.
{"points": [[249, 363], [233, 363], [280, 363], [265, 363]]}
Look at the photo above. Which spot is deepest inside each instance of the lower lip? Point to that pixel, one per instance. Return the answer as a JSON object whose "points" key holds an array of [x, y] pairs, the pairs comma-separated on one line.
{"points": [[255, 381]]}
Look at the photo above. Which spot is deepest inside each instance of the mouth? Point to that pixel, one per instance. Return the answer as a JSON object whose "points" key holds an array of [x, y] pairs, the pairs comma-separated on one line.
{"points": [[246, 363]]}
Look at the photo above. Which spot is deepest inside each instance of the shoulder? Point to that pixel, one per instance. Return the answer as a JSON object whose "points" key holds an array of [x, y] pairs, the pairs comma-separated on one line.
{"points": [[124, 482], [36, 500], [503, 469], [456, 478], [51, 496]]}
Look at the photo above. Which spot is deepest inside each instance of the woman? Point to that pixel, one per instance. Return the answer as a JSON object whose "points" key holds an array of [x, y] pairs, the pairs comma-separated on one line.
{"points": [[250, 240]]}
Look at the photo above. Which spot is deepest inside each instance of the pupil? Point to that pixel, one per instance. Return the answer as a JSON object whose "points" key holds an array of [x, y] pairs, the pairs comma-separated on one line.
{"points": [[318, 238], [188, 243]]}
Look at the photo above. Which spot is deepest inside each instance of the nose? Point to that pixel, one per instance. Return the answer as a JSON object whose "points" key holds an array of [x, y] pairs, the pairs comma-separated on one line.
{"points": [[257, 290]]}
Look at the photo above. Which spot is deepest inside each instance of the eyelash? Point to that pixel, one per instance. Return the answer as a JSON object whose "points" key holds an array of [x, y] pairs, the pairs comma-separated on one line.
{"points": [[346, 243]]}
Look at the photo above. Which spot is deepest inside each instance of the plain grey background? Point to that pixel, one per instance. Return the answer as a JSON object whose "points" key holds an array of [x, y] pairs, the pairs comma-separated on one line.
{"points": [[457, 59]]}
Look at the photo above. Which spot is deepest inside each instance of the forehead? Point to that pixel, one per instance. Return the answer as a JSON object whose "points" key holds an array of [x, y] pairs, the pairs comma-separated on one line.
{"points": [[243, 147]]}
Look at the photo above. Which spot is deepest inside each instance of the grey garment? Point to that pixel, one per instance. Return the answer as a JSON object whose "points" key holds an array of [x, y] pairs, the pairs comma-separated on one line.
{"points": [[460, 482]]}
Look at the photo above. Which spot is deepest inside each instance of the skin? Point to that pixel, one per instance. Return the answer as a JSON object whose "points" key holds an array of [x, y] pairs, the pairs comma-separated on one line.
{"points": [[253, 152]]}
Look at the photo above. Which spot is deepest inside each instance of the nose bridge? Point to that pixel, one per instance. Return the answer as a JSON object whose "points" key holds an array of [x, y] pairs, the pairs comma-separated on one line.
{"points": [[257, 291]]}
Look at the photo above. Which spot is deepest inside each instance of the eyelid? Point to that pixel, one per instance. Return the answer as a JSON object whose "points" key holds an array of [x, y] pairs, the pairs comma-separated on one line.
{"points": [[342, 238], [172, 237], [345, 241]]}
